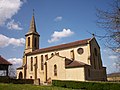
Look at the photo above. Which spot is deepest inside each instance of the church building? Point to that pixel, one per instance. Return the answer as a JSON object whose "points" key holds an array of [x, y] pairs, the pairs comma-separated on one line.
{"points": [[76, 61]]}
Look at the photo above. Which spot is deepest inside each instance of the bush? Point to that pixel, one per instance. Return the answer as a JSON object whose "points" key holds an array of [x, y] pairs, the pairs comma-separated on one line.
{"points": [[87, 85], [21, 81], [4, 79]]}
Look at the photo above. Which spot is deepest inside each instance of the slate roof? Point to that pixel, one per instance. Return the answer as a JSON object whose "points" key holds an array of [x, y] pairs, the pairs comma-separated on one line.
{"points": [[4, 61], [62, 46]]}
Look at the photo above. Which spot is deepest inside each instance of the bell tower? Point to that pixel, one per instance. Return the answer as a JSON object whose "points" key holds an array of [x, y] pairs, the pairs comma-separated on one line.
{"points": [[32, 37]]}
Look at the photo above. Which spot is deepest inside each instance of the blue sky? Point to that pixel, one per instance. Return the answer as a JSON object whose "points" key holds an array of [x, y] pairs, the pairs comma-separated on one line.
{"points": [[71, 19]]}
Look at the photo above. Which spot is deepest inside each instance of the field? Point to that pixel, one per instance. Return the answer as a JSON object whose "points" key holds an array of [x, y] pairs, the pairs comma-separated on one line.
{"points": [[28, 87]]}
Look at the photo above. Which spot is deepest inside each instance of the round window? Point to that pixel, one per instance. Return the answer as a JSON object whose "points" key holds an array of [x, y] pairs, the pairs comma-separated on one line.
{"points": [[80, 50]]}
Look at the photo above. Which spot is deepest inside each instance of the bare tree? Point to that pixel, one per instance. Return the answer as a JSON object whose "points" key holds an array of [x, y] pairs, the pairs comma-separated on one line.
{"points": [[110, 21], [12, 71]]}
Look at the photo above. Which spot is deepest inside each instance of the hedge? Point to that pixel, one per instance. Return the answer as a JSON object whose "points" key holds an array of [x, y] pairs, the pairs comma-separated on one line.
{"points": [[16, 81], [4, 79], [21, 81], [87, 85]]}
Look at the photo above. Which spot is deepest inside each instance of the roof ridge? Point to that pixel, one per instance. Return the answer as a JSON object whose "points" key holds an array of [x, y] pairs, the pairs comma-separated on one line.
{"points": [[61, 46], [68, 43], [4, 61]]}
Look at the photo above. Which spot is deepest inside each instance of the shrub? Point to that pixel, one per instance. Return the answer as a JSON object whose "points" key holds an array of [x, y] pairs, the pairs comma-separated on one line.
{"points": [[21, 81], [87, 85], [4, 79]]}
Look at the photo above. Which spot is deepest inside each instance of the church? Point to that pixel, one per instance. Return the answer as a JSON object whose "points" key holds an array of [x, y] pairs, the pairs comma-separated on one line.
{"points": [[76, 61]]}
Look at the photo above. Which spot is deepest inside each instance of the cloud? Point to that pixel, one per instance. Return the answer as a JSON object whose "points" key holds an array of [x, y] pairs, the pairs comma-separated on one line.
{"points": [[5, 41], [56, 36], [110, 59], [15, 61], [59, 18], [12, 25], [113, 57], [9, 8]]}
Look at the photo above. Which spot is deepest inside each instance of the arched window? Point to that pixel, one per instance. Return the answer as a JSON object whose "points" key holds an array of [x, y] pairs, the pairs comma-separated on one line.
{"points": [[36, 61], [28, 41], [35, 42], [31, 63], [55, 70], [42, 63], [95, 51], [94, 61], [72, 54], [46, 56]]}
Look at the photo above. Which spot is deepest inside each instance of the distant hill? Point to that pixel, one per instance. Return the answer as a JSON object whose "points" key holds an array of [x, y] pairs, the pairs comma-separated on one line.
{"points": [[113, 76]]}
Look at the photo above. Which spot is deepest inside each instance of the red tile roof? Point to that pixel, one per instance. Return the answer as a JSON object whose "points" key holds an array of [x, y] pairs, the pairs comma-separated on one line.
{"points": [[62, 46], [4, 61], [67, 61], [19, 68], [74, 64]]}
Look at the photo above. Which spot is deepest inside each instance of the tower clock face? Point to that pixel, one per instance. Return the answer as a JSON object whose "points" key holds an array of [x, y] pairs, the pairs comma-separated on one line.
{"points": [[80, 50]]}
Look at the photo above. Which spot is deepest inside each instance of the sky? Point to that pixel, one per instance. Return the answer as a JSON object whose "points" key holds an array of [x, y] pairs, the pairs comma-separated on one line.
{"points": [[57, 22]]}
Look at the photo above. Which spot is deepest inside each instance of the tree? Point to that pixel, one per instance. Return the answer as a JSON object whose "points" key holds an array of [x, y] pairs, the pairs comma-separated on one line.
{"points": [[110, 21], [12, 72]]}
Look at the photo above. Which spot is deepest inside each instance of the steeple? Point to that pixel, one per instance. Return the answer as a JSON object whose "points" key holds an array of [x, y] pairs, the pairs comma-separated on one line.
{"points": [[32, 37], [32, 29], [32, 25]]}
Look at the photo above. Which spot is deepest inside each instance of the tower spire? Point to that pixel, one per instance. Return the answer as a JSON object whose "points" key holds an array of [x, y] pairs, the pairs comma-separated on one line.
{"points": [[32, 24], [32, 29], [32, 37], [33, 12]]}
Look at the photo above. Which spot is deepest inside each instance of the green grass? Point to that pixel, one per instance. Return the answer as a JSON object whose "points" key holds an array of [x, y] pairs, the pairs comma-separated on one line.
{"points": [[28, 87]]}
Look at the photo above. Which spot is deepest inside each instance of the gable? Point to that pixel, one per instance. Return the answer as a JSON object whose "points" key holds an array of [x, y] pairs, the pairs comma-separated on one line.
{"points": [[55, 59], [94, 41], [68, 62]]}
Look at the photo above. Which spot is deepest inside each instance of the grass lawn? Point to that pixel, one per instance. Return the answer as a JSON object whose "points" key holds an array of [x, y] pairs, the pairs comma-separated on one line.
{"points": [[28, 87]]}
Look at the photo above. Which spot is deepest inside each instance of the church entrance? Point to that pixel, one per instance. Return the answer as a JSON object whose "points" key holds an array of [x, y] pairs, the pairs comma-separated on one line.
{"points": [[20, 75]]}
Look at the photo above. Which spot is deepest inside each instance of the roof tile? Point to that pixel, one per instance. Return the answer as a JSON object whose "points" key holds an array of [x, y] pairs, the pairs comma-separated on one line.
{"points": [[4, 61], [75, 64], [62, 46]]}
